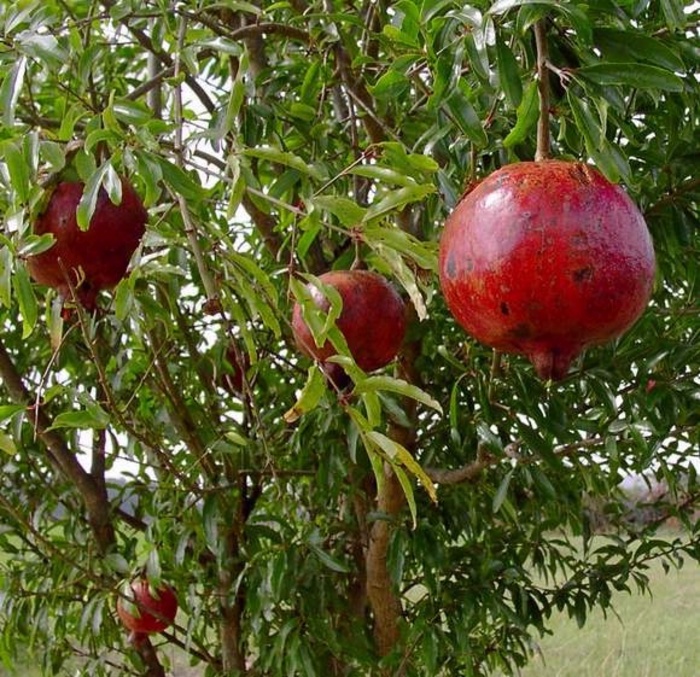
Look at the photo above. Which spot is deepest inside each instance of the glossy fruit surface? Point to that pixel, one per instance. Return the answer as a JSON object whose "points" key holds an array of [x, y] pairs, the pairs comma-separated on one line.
{"points": [[142, 610], [544, 259], [93, 259], [372, 320]]}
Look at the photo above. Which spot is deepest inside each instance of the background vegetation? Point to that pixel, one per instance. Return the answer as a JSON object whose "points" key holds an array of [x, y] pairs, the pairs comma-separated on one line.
{"points": [[274, 140]]}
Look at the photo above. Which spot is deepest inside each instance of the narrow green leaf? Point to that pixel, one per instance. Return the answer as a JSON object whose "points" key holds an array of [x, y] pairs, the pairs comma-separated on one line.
{"points": [[407, 487], [7, 411], [86, 206], [509, 73], [466, 118], [383, 174], [502, 491], [638, 75], [406, 244], [7, 444], [397, 453], [18, 169], [347, 211], [503, 6], [590, 128], [179, 180], [26, 300], [117, 563], [328, 561], [82, 419], [285, 158], [10, 90], [617, 45], [394, 200], [399, 386], [528, 111], [310, 396], [5, 276], [36, 244], [391, 85], [674, 12]]}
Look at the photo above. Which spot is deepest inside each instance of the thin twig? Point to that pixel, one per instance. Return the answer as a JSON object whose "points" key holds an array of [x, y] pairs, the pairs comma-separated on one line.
{"points": [[543, 144]]}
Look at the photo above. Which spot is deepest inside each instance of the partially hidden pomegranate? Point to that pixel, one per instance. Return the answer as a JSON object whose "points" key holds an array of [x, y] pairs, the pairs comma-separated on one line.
{"points": [[372, 320], [143, 610], [238, 363], [544, 259], [93, 259]]}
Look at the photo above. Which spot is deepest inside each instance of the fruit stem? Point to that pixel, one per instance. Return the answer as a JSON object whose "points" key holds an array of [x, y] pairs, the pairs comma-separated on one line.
{"points": [[543, 147]]}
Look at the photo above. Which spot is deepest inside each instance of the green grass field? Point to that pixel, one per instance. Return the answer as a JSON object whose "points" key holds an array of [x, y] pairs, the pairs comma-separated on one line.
{"points": [[653, 636]]}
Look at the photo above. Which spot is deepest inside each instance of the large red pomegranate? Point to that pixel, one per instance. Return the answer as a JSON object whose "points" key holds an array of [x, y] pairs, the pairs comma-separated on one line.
{"points": [[144, 610], [372, 320], [93, 259], [544, 259]]}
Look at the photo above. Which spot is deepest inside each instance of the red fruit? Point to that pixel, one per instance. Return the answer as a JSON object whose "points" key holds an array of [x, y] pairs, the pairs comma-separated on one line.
{"points": [[94, 259], [544, 259], [144, 611], [372, 320]]}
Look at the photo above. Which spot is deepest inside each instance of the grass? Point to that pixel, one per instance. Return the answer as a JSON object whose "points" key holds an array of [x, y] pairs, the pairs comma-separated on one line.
{"points": [[652, 637]]}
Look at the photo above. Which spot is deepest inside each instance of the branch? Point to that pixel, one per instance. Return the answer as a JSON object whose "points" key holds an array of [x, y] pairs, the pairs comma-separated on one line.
{"points": [[467, 473], [543, 145]]}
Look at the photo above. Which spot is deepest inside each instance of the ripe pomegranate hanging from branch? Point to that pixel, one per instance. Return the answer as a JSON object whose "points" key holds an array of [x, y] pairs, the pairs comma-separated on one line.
{"points": [[545, 258], [87, 261]]}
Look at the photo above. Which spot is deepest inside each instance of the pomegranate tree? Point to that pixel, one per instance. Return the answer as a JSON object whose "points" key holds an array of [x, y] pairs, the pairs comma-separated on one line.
{"points": [[92, 259], [372, 320], [143, 610], [544, 259]]}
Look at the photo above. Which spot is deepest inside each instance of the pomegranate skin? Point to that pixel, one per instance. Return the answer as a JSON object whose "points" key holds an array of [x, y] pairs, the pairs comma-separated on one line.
{"points": [[96, 258], [372, 320], [544, 259], [151, 612]]}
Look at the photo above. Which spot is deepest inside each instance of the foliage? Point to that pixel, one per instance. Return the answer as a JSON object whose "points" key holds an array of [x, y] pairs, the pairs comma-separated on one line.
{"points": [[274, 140]]}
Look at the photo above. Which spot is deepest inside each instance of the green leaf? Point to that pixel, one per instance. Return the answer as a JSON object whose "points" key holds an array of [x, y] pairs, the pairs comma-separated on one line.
{"points": [[310, 396], [466, 118], [347, 211], [10, 90], [179, 180], [383, 174], [509, 73], [285, 158], [590, 127], [18, 169], [26, 300], [7, 411], [36, 244], [399, 386], [629, 45], [391, 85], [397, 453], [328, 561], [394, 200], [7, 444], [502, 491], [423, 253], [503, 6], [674, 12], [86, 206], [528, 112], [42, 46], [83, 419], [5, 276], [638, 75]]}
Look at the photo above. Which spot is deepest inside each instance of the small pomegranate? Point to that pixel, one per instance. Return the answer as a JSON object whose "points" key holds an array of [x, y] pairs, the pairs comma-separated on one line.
{"points": [[143, 610], [544, 259], [372, 320], [93, 259]]}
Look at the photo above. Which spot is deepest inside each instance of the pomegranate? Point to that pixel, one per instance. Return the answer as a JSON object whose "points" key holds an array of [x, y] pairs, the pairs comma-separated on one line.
{"points": [[93, 259], [372, 320], [544, 259], [145, 611]]}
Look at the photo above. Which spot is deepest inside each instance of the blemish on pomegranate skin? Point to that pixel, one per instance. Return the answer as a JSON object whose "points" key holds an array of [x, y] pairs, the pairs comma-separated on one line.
{"points": [[583, 274], [504, 308], [452, 266]]}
